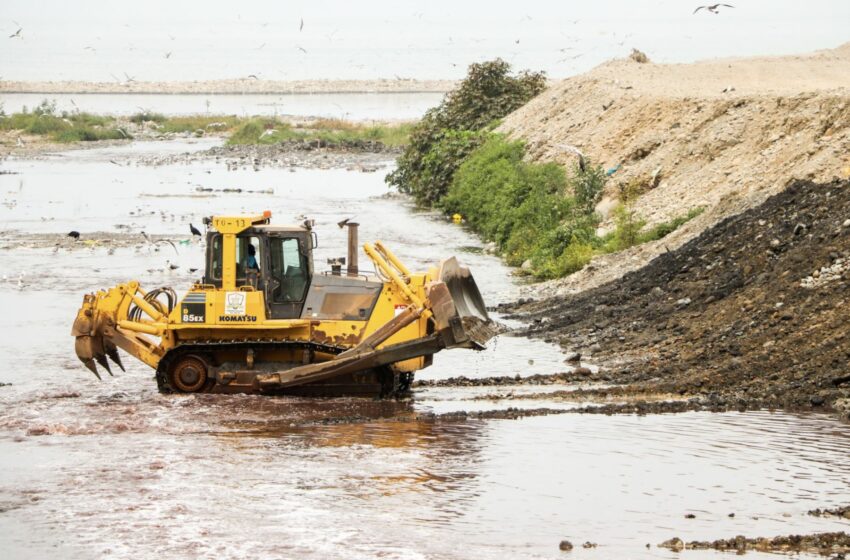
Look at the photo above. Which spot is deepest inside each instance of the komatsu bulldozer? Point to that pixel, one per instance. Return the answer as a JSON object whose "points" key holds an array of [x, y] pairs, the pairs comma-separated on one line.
{"points": [[261, 320]]}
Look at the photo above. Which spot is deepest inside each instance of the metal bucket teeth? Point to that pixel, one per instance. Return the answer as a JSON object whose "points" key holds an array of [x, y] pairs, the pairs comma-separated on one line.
{"points": [[112, 352]]}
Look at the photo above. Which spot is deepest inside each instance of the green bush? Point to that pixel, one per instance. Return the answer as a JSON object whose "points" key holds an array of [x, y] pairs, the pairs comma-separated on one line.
{"points": [[528, 209], [444, 137], [249, 133]]}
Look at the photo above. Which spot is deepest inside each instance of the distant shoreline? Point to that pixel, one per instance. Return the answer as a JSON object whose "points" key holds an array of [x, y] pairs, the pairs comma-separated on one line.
{"points": [[247, 86]]}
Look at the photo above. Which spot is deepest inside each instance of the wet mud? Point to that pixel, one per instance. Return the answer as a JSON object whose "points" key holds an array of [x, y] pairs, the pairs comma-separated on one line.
{"points": [[750, 314]]}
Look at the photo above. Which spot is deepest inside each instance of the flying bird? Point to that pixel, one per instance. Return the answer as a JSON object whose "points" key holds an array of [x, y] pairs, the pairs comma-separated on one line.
{"points": [[17, 34], [254, 76], [301, 27], [194, 230], [713, 8], [302, 49], [168, 54]]}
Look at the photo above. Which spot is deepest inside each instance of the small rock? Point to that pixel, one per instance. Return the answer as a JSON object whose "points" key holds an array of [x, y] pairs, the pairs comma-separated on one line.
{"points": [[774, 242], [675, 544], [589, 544], [731, 515], [565, 545], [583, 371], [846, 223], [690, 516], [573, 357], [526, 265], [817, 400], [656, 291], [683, 302]]}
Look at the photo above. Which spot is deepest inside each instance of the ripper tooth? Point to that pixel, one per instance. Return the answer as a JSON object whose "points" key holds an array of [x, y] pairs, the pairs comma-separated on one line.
{"points": [[112, 352]]}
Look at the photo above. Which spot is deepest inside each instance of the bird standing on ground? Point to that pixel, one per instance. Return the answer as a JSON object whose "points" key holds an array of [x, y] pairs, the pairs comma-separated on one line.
{"points": [[75, 234], [582, 162], [194, 231], [713, 8]]}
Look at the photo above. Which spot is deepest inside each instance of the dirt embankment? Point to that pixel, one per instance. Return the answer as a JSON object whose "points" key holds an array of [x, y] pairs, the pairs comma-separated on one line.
{"points": [[751, 313], [722, 134]]}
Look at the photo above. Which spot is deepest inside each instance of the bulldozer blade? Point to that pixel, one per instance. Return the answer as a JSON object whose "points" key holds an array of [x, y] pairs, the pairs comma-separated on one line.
{"points": [[112, 352], [459, 310], [467, 298]]}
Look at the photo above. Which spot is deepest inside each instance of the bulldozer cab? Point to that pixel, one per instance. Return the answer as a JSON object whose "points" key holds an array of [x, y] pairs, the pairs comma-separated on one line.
{"points": [[275, 260]]}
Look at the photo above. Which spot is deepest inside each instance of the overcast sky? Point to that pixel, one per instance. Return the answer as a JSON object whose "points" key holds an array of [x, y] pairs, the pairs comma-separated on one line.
{"points": [[172, 40]]}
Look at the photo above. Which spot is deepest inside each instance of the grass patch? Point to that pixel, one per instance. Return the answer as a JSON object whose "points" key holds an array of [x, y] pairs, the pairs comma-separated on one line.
{"points": [[147, 116], [45, 120], [193, 123], [330, 131], [629, 226]]}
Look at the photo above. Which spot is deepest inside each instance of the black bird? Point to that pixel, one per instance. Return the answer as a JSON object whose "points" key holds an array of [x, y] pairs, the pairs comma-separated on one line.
{"points": [[75, 234], [194, 230], [713, 8]]}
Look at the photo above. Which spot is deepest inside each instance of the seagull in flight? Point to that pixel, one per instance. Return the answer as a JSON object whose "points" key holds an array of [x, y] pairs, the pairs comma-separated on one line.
{"points": [[301, 27], [713, 8], [17, 34], [302, 49]]}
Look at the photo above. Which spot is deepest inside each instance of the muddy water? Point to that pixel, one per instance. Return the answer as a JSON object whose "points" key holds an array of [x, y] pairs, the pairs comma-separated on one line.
{"points": [[94, 469]]}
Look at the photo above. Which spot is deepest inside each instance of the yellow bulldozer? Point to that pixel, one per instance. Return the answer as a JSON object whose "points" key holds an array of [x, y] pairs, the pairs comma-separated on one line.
{"points": [[261, 320]]}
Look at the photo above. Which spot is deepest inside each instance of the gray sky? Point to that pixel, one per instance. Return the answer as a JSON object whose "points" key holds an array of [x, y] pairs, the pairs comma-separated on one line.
{"points": [[171, 40]]}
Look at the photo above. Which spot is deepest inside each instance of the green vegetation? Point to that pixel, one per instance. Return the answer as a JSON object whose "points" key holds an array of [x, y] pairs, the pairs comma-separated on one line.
{"points": [[329, 131], [448, 133], [537, 212], [44, 120], [531, 211]]}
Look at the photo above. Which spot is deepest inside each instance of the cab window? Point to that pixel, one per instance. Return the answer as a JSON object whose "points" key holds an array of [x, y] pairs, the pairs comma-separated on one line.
{"points": [[248, 256], [289, 268]]}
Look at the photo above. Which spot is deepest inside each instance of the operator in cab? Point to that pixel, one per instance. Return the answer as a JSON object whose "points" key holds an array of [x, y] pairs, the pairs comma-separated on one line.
{"points": [[251, 261]]}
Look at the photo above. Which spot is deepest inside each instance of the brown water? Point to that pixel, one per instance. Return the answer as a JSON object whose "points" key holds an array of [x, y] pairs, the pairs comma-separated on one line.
{"points": [[94, 469]]}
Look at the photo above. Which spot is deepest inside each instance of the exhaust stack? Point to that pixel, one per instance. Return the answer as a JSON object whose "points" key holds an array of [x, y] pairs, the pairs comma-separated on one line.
{"points": [[352, 269]]}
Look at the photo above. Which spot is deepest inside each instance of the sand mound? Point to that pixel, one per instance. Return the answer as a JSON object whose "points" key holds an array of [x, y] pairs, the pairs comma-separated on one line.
{"points": [[723, 134]]}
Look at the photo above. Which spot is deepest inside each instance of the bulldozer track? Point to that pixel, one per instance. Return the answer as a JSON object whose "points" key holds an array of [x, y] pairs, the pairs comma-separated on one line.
{"points": [[205, 347]]}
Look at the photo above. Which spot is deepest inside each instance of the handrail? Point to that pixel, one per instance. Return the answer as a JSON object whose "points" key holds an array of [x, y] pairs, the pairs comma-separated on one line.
{"points": [[381, 263], [392, 259]]}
